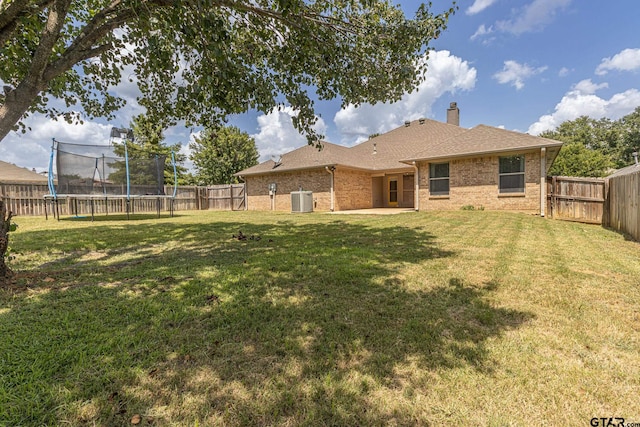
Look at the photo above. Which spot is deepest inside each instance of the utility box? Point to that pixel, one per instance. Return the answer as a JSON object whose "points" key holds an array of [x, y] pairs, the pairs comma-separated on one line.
{"points": [[301, 201]]}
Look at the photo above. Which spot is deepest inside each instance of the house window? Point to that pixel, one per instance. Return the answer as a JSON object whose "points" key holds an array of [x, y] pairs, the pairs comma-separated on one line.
{"points": [[439, 179], [512, 174]]}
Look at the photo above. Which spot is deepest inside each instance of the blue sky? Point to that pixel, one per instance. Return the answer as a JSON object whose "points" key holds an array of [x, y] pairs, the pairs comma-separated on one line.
{"points": [[525, 65]]}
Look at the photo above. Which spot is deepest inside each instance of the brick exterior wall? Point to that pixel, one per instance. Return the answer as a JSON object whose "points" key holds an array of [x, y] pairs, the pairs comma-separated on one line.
{"points": [[353, 190], [474, 182], [318, 181]]}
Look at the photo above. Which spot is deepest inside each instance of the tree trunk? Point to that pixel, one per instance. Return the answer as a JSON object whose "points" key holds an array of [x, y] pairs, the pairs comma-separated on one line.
{"points": [[5, 226], [17, 102]]}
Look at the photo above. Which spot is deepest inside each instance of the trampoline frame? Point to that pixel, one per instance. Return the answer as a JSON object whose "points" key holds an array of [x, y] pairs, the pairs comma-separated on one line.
{"points": [[72, 199]]}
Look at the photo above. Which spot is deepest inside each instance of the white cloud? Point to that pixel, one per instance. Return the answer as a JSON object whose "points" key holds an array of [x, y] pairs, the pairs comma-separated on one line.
{"points": [[581, 100], [515, 73], [479, 5], [186, 150], [587, 87], [532, 17], [626, 60], [564, 71], [482, 31], [277, 134], [446, 73]]}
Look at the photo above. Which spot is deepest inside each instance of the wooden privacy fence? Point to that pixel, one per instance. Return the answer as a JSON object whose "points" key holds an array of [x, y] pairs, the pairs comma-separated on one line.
{"points": [[28, 200], [222, 197], [576, 199], [624, 204], [24, 199]]}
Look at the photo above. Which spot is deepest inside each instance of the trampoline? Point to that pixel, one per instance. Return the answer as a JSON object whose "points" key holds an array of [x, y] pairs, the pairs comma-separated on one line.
{"points": [[107, 176]]}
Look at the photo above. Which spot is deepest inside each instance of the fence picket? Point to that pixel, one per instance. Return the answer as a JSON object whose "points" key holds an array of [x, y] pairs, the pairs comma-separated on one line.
{"points": [[28, 200], [624, 204]]}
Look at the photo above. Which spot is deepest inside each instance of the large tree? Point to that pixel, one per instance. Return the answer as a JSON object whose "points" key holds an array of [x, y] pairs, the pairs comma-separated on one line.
{"points": [[201, 60], [577, 160], [220, 152], [594, 147], [631, 135], [149, 140]]}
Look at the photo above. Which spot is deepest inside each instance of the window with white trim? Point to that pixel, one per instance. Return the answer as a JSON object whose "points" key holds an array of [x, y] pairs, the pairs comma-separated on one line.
{"points": [[439, 179], [511, 175]]}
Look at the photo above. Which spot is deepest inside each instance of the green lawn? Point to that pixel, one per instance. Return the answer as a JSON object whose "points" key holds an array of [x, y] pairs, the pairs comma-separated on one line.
{"points": [[463, 318]]}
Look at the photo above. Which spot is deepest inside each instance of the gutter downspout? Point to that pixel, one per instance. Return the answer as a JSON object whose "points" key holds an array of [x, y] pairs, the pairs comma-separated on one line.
{"points": [[331, 170], [543, 180], [416, 184]]}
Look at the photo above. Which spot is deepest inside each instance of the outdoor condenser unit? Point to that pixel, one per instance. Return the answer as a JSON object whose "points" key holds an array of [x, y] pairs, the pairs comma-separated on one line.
{"points": [[301, 201]]}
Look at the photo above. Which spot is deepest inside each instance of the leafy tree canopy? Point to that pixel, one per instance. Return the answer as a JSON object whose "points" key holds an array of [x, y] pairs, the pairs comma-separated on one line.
{"points": [[577, 160], [220, 152], [201, 60], [595, 147]]}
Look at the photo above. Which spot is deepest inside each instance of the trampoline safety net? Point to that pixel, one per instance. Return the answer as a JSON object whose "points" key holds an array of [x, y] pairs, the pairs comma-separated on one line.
{"points": [[106, 170]]}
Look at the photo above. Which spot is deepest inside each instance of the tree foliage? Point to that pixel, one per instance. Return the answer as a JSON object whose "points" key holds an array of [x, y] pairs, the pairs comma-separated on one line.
{"points": [[577, 160], [148, 143], [201, 60], [149, 140], [220, 152], [594, 147]]}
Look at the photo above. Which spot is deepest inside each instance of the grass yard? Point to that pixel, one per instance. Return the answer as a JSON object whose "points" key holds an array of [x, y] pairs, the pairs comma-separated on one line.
{"points": [[463, 318]]}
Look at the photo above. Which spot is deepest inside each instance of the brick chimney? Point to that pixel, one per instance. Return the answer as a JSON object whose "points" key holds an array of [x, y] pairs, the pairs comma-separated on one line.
{"points": [[453, 114]]}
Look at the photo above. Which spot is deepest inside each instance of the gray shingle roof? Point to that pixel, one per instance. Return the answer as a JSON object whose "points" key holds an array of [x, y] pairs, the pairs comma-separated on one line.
{"points": [[10, 173], [419, 140], [400, 143], [483, 139], [306, 157]]}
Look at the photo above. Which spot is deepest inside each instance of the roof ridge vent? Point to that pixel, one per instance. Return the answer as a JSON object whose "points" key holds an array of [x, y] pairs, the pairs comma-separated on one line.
{"points": [[421, 121], [407, 123]]}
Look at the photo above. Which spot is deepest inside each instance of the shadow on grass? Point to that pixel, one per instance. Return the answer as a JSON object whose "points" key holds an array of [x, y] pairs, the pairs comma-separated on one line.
{"points": [[298, 324]]}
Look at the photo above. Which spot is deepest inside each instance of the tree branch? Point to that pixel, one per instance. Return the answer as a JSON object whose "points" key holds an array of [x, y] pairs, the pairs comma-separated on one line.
{"points": [[10, 15], [50, 34], [83, 48], [332, 23]]}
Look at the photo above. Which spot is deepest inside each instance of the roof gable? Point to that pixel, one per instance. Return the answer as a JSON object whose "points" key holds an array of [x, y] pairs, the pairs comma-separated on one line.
{"points": [[483, 139]]}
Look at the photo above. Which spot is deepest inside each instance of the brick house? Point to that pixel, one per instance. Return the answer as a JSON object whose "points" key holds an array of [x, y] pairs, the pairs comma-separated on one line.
{"points": [[424, 164]]}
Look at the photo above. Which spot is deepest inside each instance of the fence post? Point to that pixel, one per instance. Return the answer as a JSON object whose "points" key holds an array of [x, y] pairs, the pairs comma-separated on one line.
{"points": [[232, 199], [605, 205], [553, 197]]}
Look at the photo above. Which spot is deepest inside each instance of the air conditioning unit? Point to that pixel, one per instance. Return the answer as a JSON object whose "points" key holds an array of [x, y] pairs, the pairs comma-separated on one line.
{"points": [[301, 201]]}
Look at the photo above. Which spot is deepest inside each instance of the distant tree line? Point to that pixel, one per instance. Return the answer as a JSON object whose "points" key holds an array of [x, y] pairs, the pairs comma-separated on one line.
{"points": [[594, 148]]}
